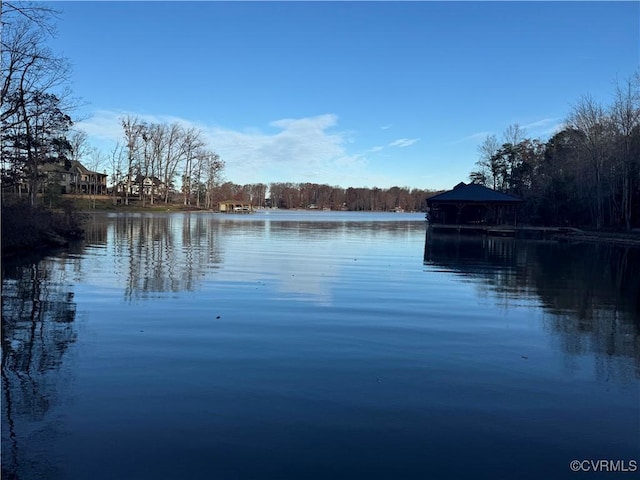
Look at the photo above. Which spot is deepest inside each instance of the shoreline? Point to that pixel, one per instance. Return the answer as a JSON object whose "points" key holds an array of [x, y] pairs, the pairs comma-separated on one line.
{"points": [[23, 236], [623, 239], [27, 229]]}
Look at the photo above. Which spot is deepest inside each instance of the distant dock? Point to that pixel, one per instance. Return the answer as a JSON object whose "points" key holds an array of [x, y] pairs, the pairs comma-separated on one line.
{"points": [[235, 206]]}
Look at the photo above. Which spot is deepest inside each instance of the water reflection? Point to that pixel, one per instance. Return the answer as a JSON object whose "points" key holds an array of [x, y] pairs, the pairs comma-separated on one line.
{"points": [[590, 293], [306, 344], [151, 254], [38, 313]]}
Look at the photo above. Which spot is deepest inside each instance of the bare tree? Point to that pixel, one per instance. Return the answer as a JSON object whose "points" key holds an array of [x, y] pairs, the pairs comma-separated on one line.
{"points": [[514, 134], [588, 117], [488, 168], [626, 124], [33, 97], [35, 12], [276, 192], [133, 129], [116, 162], [173, 155], [192, 144], [25, 29], [79, 149], [157, 134], [258, 194], [199, 162], [212, 166]]}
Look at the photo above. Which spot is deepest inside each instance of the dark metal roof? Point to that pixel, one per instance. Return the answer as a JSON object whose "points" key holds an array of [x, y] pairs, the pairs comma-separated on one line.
{"points": [[472, 193], [74, 167]]}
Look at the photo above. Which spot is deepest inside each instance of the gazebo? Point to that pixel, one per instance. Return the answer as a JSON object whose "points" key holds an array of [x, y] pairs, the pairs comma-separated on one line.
{"points": [[473, 205]]}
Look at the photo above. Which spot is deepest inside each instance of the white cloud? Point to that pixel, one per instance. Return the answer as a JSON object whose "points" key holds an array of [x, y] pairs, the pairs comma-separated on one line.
{"points": [[385, 127], [473, 137], [544, 126], [103, 125], [403, 142], [301, 149], [554, 129], [544, 123], [106, 124]]}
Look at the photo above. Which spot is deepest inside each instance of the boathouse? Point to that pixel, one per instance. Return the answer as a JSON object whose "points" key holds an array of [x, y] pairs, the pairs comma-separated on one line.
{"points": [[235, 206], [473, 205]]}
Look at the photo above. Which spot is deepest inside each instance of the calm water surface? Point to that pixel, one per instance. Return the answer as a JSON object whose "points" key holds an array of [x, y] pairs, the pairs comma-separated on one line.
{"points": [[318, 345]]}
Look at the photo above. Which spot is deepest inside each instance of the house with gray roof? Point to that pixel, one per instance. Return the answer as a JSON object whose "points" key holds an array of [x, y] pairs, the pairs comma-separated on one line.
{"points": [[74, 177]]}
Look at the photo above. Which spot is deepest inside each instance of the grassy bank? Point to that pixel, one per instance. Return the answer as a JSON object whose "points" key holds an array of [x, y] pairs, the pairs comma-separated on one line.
{"points": [[105, 203]]}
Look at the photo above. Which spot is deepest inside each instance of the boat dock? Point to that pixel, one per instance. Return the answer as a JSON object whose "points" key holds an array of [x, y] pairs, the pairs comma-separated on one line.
{"points": [[500, 230], [235, 206]]}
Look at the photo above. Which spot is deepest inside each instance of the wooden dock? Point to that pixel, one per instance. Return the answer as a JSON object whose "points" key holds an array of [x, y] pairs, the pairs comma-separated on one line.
{"points": [[499, 230]]}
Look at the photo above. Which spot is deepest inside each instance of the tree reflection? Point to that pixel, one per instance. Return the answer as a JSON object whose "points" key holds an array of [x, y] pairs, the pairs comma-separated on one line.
{"points": [[37, 330], [156, 253], [162, 253], [590, 292]]}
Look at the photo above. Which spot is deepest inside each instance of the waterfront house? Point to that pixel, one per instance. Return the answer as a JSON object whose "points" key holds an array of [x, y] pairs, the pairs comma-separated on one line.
{"points": [[140, 183], [74, 177]]}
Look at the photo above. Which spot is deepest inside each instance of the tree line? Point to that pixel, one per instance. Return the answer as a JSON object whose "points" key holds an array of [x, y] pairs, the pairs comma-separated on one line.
{"points": [[289, 195], [586, 174], [313, 195]]}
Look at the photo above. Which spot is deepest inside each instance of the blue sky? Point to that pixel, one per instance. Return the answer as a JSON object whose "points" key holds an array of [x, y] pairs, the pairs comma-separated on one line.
{"points": [[344, 93]]}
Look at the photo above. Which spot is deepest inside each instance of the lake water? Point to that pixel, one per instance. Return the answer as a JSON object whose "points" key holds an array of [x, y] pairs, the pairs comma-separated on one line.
{"points": [[322, 345]]}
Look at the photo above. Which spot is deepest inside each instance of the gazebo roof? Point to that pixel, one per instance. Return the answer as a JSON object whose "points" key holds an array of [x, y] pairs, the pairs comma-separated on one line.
{"points": [[473, 193]]}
